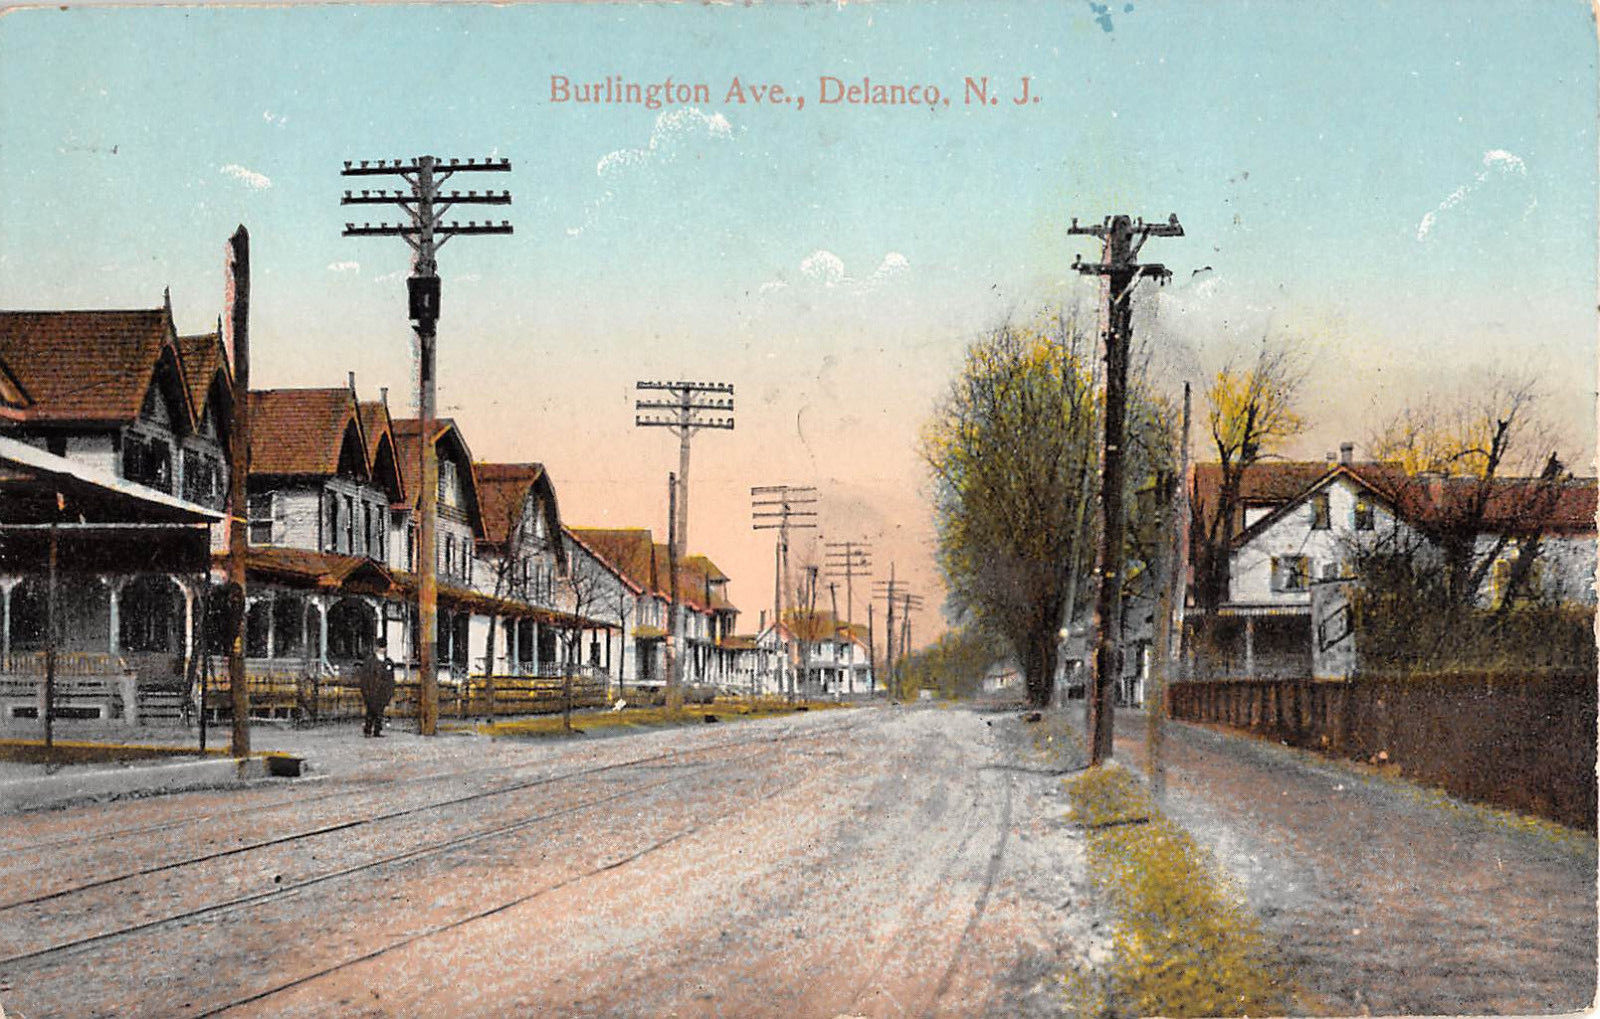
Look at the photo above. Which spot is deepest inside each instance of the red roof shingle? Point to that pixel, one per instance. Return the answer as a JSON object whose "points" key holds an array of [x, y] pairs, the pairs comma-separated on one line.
{"points": [[300, 431], [86, 366]]}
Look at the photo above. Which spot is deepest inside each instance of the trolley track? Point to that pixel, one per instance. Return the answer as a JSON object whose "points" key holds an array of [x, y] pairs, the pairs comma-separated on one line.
{"points": [[367, 788], [443, 928], [668, 757], [280, 892]]}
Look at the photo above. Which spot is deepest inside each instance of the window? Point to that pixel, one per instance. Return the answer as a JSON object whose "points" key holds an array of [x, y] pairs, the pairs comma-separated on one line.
{"points": [[1319, 512], [449, 554], [333, 522], [368, 535], [447, 482], [147, 462], [349, 526], [202, 478], [261, 507], [1363, 513], [1290, 573]]}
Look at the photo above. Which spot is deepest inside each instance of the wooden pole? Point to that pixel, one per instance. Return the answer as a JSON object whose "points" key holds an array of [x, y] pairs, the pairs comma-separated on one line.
{"points": [[238, 491]]}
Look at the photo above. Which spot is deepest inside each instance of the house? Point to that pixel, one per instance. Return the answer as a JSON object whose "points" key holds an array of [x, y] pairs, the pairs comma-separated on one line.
{"points": [[830, 656], [628, 555], [319, 532], [140, 409], [641, 579], [1302, 524]]}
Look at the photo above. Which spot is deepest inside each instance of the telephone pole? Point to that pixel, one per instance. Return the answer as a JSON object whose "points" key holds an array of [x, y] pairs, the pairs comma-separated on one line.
{"points": [[1121, 237], [848, 559], [899, 600], [684, 411], [425, 205], [782, 508]]}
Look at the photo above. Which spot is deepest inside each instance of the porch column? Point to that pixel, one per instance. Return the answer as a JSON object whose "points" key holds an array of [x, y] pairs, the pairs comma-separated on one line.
{"points": [[533, 659], [1250, 646], [114, 586], [512, 627], [271, 626], [322, 631], [188, 622], [5, 618]]}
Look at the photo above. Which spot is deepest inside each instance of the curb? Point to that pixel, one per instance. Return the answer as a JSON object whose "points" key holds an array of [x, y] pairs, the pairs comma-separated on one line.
{"points": [[57, 790]]}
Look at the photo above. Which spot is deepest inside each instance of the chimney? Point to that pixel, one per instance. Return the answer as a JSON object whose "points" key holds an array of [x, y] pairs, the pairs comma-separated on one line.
{"points": [[352, 378], [383, 397], [1347, 451]]}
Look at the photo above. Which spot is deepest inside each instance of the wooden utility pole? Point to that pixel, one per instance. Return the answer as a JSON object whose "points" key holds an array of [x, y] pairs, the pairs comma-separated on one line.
{"points": [[848, 559], [685, 414], [238, 301], [425, 205], [1162, 661], [782, 508], [674, 653], [1122, 238]]}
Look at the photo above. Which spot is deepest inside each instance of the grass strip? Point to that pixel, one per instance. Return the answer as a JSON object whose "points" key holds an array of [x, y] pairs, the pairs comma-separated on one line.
{"points": [[1181, 945], [651, 717]]}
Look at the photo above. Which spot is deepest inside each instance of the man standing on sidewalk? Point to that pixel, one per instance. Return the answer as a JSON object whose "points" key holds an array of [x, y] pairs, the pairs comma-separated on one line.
{"points": [[376, 676]]}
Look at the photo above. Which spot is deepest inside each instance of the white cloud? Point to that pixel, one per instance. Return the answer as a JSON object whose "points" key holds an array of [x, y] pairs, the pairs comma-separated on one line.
{"points": [[1494, 161], [670, 129], [670, 126], [279, 119], [390, 276], [344, 266], [824, 267], [249, 178]]}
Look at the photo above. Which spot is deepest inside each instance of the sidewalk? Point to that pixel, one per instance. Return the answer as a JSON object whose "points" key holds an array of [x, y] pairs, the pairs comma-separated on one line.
{"points": [[331, 750], [1387, 898]]}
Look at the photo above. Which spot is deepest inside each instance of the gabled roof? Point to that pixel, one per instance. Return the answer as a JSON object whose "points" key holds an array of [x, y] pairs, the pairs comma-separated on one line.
{"points": [[303, 432], [701, 585], [600, 557], [379, 430], [204, 359], [627, 550], [449, 442], [1425, 501], [89, 366], [819, 626], [503, 491]]}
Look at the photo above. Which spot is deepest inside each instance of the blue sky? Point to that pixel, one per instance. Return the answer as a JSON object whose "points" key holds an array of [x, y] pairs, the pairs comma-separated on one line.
{"points": [[1409, 187]]}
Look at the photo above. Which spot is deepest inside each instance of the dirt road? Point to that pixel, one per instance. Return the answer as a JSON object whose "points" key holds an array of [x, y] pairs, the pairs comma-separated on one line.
{"points": [[1385, 899], [882, 862]]}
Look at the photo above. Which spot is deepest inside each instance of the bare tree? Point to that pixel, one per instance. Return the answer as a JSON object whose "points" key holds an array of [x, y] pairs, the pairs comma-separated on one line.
{"points": [[1476, 481], [587, 585], [1251, 413]]}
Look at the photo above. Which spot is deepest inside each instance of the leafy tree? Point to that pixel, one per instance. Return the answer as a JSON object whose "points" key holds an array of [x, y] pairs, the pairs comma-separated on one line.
{"points": [[1007, 449]]}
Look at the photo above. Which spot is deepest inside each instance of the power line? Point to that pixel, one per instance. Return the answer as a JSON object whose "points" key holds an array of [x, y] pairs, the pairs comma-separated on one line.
{"points": [[782, 508], [691, 407], [426, 231]]}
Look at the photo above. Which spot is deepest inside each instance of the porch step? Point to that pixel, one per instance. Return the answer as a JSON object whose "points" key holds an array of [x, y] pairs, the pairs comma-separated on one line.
{"points": [[161, 707]]}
